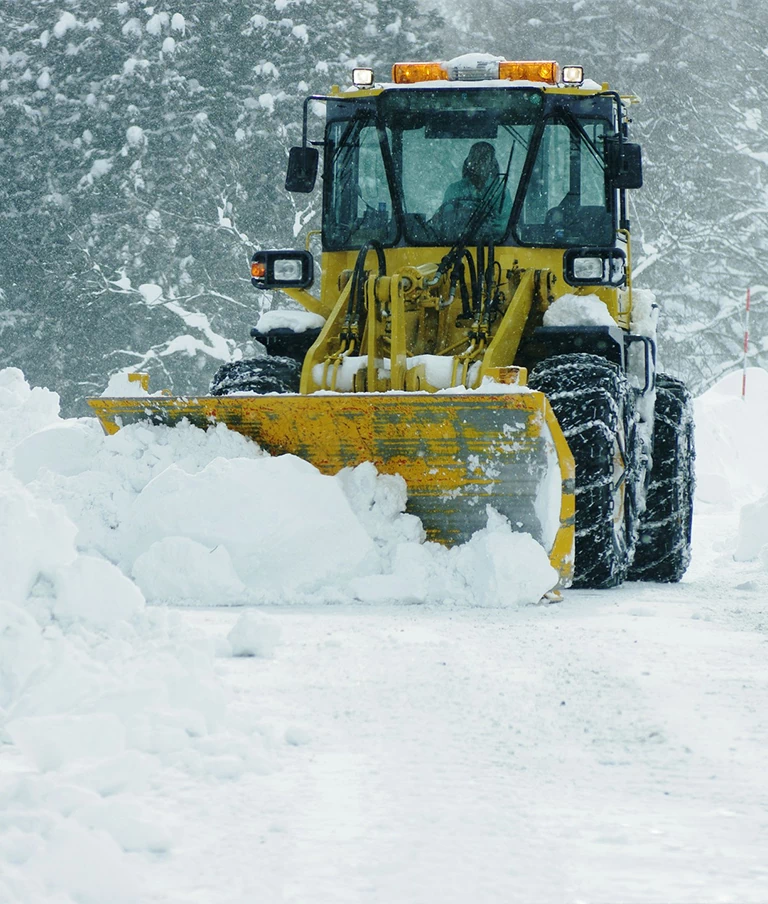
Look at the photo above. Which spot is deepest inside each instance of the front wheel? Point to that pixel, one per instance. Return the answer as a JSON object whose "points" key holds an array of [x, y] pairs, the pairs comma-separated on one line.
{"points": [[664, 541], [272, 373], [593, 404]]}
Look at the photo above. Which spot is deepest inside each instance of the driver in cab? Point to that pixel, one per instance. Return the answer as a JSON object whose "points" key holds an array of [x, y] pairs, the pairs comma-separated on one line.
{"points": [[480, 192]]}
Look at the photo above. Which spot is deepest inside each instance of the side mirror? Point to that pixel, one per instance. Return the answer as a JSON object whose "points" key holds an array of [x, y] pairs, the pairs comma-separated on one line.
{"points": [[282, 269], [625, 163], [302, 169]]}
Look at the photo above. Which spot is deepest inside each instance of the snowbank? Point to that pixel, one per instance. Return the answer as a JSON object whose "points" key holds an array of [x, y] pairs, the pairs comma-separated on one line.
{"points": [[731, 434], [206, 518], [99, 693]]}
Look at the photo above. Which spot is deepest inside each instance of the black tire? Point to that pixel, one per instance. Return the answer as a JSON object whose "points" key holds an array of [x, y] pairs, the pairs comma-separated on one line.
{"points": [[260, 375], [663, 550], [594, 406]]}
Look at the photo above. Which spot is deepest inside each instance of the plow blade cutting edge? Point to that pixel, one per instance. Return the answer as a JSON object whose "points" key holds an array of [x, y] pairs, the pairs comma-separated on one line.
{"points": [[458, 453]]}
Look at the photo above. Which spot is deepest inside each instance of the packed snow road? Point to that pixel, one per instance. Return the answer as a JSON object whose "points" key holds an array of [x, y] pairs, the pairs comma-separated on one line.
{"points": [[609, 748], [225, 678]]}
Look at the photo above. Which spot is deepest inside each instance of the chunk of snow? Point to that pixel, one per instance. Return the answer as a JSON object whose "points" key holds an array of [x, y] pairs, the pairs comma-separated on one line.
{"points": [[151, 292], [44, 80], [254, 634], [66, 22], [645, 313], [121, 387], [67, 447], [503, 568], [267, 102], [96, 593], [753, 530], [134, 135], [169, 45], [23, 410], [100, 167], [178, 23], [133, 28], [262, 512], [35, 537], [730, 463], [578, 310], [180, 571], [155, 23], [154, 220], [285, 319]]}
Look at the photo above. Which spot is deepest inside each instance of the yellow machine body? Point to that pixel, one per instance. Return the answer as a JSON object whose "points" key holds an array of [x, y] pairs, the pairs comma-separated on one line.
{"points": [[405, 375]]}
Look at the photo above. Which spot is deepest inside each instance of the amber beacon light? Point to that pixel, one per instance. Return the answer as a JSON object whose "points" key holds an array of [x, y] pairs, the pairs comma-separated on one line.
{"points": [[519, 70], [529, 71]]}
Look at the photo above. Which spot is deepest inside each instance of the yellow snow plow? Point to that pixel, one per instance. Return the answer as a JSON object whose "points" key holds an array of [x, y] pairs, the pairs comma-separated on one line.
{"points": [[474, 229], [457, 454]]}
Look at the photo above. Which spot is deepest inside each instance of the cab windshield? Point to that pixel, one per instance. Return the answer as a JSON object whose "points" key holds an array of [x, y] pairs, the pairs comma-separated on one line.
{"points": [[436, 167]]}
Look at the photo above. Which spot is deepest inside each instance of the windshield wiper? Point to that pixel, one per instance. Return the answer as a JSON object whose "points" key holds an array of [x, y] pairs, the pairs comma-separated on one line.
{"points": [[495, 191], [574, 125]]}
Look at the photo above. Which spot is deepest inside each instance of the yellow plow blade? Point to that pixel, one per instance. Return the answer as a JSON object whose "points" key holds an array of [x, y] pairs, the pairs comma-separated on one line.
{"points": [[458, 453]]}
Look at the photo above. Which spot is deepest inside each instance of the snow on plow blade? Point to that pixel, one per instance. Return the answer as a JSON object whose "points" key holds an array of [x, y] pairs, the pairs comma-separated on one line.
{"points": [[458, 453]]}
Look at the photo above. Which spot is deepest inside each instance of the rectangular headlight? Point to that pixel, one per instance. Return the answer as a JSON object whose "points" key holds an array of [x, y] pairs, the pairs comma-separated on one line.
{"points": [[588, 268], [282, 269], [595, 267]]}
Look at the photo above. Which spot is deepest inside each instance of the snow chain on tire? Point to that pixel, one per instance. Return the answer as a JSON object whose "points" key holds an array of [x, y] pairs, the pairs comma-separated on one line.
{"points": [[664, 541], [594, 406], [260, 375]]}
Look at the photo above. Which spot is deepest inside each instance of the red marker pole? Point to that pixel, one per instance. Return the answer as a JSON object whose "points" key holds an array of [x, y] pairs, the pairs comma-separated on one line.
{"points": [[746, 348]]}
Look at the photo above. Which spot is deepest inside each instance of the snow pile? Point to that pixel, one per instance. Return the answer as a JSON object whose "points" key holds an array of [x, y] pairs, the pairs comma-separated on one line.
{"points": [[730, 438], [730, 463], [125, 385], [578, 310], [287, 528], [254, 634], [205, 518], [98, 693], [102, 697]]}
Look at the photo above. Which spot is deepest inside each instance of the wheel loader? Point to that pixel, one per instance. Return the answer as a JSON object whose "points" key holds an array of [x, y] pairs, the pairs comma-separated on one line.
{"points": [[475, 328]]}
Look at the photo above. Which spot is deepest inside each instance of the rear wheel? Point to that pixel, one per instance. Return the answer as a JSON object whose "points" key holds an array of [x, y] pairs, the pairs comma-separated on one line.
{"points": [[271, 373], [664, 540], [594, 407]]}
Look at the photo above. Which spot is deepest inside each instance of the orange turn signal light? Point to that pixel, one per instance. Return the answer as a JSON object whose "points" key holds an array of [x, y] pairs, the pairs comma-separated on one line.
{"points": [[409, 73], [530, 71], [258, 269]]}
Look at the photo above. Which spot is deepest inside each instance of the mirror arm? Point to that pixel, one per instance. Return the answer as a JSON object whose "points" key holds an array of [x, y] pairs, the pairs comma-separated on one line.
{"points": [[305, 119]]}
